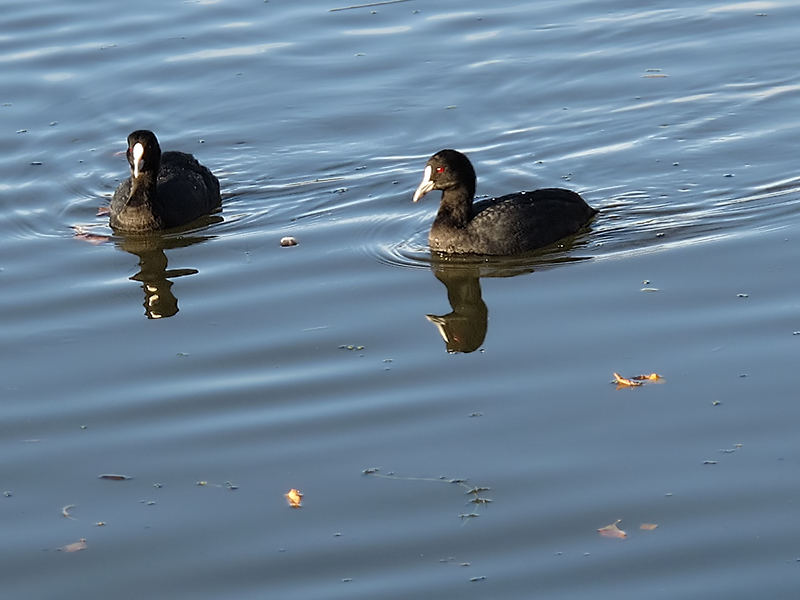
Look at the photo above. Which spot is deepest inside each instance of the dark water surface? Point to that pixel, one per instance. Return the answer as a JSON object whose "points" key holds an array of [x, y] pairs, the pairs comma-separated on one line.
{"points": [[214, 355]]}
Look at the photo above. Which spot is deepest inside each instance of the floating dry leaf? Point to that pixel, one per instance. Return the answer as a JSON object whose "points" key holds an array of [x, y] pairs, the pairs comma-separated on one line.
{"points": [[79, 545], [636, 380], [651, 377], [612, 531], [620, 380], [115, 477], [648, 526], [85, 234], [295, 497], [64, 511]]}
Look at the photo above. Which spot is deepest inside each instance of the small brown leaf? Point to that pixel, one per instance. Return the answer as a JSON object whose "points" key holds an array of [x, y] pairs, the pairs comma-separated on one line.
{"points": [[294, 497], [648, 526], [115, 477], [612, 531], [79, 545], [92, 238]]}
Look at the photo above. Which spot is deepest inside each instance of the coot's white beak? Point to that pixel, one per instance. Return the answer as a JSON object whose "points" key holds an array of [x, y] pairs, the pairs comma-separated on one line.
{"points": [[426, 185], [138, 153]]}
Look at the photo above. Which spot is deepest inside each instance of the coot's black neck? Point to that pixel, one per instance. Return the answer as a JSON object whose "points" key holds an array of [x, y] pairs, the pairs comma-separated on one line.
{"points": [[143, 189], [456, 206], [140, 211]]}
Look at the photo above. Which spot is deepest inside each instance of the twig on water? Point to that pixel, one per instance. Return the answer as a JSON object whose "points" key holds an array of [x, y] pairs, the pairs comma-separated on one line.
{"points": [[367, 5]]}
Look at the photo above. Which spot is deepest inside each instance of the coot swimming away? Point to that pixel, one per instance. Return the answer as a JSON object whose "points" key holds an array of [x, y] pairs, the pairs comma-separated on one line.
{"points": [[164, 190], [510, 224]]}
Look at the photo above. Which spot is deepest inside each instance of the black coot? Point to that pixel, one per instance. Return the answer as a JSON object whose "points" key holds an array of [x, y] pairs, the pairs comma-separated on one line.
{"points": [[509, 224], [164, 190]]}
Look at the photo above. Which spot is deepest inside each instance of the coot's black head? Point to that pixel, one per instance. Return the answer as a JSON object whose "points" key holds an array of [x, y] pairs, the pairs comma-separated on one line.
{"points": [[447, 170], [144, 153]]}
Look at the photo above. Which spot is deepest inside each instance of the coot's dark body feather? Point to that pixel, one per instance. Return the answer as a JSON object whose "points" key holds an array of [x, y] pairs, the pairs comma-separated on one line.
{"points": [[509, 224], [170, 190]]}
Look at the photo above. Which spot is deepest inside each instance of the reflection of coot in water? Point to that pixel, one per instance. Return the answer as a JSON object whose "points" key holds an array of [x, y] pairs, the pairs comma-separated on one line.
{"points": [[464, 329], [164, 190], [510, 224], [155, 277]]}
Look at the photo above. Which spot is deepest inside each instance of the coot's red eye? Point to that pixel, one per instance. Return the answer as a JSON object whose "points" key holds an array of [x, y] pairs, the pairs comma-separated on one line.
{"points": [[440, 169]]}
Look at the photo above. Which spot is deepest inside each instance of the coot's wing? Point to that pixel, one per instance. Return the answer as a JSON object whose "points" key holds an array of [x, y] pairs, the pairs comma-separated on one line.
{"points": [[186, 189], [524, 221]]}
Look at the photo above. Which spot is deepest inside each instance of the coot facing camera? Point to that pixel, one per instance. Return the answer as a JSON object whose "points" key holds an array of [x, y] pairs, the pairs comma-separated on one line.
{"points": [[164, 190]]}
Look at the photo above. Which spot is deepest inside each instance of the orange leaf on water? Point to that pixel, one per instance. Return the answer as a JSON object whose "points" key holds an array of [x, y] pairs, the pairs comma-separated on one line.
{"points": [[635, 381], [294, 497], [612, 531], [651, 377], [620, 380]]}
